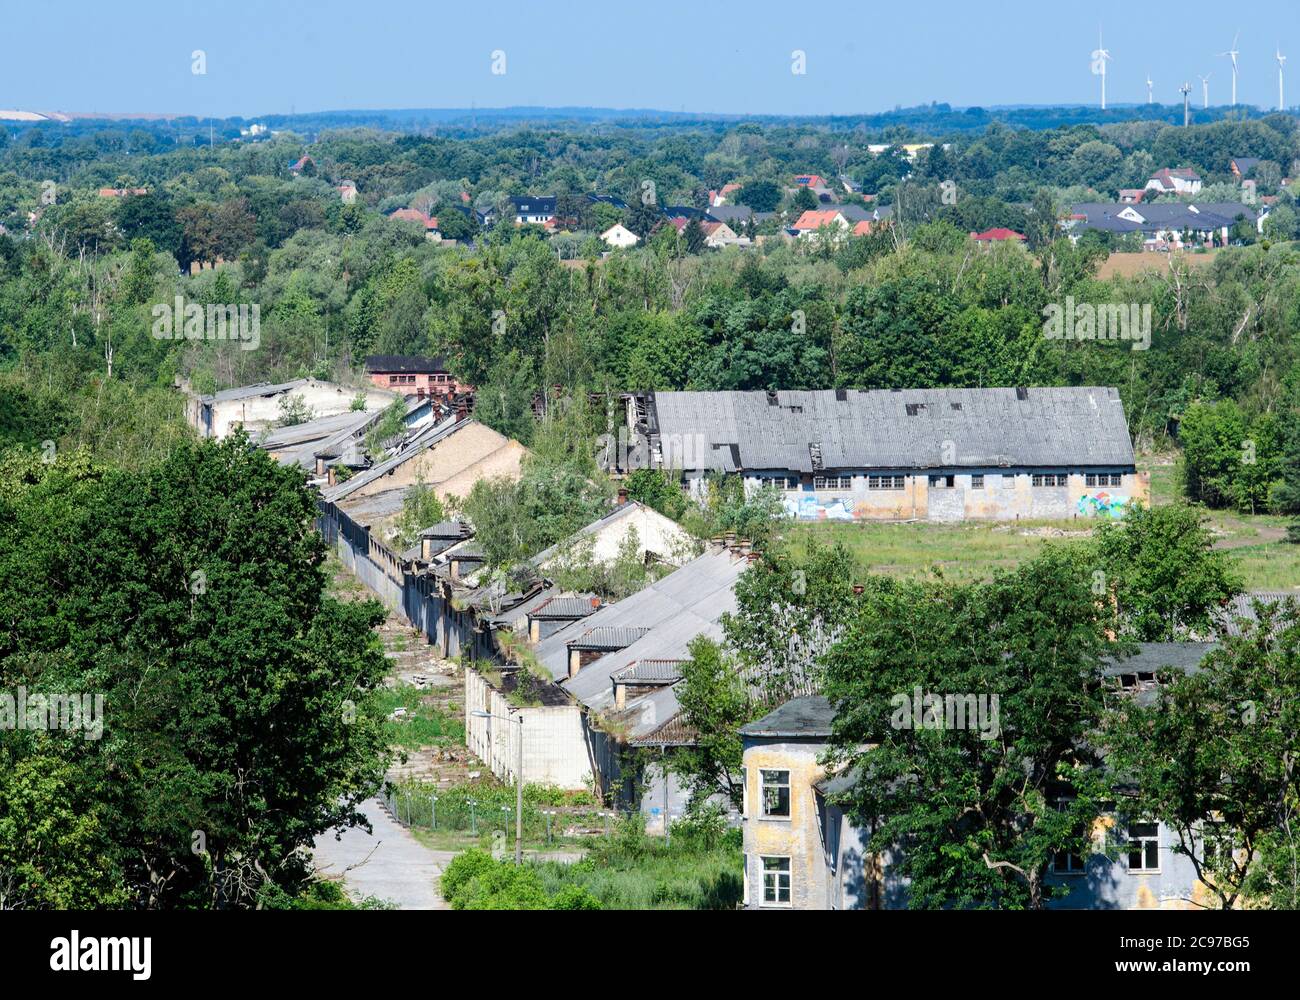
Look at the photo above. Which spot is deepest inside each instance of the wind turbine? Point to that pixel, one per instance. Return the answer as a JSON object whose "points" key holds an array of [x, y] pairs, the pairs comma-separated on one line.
{"points": [[1205, 89], [1186, 89], [1281, 95], [1100, 56], [1150, 97], [1232, 53]]}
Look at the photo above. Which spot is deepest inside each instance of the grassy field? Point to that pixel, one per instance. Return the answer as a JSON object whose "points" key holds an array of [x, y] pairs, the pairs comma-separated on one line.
{"points": [[975, 550]]}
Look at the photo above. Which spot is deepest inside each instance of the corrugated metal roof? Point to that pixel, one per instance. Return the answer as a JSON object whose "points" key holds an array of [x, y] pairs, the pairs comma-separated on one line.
{"points": [[562, 608], [1242, 606], [650, 671], [608, 637], [894, 429]]}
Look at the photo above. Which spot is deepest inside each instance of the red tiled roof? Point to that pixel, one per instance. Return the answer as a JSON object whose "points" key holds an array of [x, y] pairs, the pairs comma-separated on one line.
{"points": [[813, 219], [997, 233]]}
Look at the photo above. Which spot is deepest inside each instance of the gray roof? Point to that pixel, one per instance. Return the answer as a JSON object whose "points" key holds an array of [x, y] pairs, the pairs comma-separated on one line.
{"points": [[1153, 656], [737, 213], [675, 609], [299, 444], [251, 391], [564, 608], [420, 443], [1242, 607], [1160, 216], [896, 429], [800, 718], [649, 671], [608, 637], [446, 529]]}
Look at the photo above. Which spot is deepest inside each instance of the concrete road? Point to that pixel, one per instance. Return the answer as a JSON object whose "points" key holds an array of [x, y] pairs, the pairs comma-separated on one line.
{"points": [[398, 868]]}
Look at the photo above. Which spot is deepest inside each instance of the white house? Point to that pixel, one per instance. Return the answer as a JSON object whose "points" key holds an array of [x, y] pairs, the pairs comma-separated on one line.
{"points": [[618, 235], [1182, 180]]}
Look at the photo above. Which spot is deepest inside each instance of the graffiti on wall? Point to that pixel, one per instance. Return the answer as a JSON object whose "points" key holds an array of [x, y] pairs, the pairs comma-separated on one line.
{"points": [[1102, 504], [807, 507]]}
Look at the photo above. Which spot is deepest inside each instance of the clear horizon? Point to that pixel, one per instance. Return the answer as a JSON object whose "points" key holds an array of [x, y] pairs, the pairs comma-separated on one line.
{"points": [[725, 57]]}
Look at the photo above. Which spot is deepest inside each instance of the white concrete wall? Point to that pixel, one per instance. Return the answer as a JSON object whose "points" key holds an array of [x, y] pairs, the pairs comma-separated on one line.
{"points": [[555, 738], [325, 399]]}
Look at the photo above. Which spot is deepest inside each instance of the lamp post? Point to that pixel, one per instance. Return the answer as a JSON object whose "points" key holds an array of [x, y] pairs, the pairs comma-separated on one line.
{"points": [[519, 775]]}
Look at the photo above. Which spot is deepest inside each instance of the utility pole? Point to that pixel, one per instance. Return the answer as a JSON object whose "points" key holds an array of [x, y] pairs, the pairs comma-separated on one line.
{"points": [[519, 793], [1186, 89]]}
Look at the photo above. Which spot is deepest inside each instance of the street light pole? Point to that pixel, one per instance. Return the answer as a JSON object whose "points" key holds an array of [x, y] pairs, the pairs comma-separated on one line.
{"points": [[519, 774], [519, 794]]}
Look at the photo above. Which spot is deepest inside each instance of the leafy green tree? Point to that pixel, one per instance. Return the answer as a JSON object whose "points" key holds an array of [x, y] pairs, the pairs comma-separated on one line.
{"points": [[1160, 572], [714, 704], [1214, 760], [191, 598], [977, 811], [761, 196]]}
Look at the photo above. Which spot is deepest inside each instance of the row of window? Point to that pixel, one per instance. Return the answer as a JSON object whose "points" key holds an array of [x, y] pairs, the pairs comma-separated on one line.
{"points": [[1091, 479], [410, 379], [1143, 857]]}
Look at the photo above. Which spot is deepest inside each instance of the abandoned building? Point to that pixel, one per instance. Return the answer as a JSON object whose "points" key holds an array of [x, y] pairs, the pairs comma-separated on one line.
{"points": [[414, 375], [263, 406], [803, 852], [450, 456], [901, 454]]}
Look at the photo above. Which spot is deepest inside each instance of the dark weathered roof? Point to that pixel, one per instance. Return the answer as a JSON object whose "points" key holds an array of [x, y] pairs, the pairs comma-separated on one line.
{"points": [[1153, 656], [801, 718], [1241, 609], [410, 363], [895, 429], [564, 609], [673, 733], [446, 529], [607, 637], [649, 671], [534, 205]]}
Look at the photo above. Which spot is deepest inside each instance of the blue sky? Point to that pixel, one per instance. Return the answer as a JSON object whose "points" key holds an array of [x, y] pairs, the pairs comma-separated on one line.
{"points": [[706, 55]]}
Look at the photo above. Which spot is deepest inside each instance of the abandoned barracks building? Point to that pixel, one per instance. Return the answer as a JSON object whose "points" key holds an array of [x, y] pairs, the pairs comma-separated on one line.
{"points": [[803, 850], [899, 454]]}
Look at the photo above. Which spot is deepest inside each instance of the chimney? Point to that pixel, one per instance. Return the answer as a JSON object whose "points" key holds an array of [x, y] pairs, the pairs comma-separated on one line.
{"points": [[754, 557], [462, 409], [426, 548], [622, 495], [320, 465], [333, 477]]}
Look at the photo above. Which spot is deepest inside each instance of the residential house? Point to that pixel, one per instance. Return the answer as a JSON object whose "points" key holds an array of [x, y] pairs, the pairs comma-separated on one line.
{"points": [[1242, 165], [612, 200], [261, 406], [998, 234], [719, 234], [936, 454], [414, 375], [736, 216], [814, 183], [1131, 196], [121, 192], [429, 222], [301, 164], [618, 235], [1164, 225], [533, 210], [719, 197], [347, 192], [1180, 180], [802, 851], [813, 220]]}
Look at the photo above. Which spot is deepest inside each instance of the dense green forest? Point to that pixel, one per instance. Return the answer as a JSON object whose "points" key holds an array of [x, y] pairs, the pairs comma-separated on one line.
{"points": [[516, 310]]}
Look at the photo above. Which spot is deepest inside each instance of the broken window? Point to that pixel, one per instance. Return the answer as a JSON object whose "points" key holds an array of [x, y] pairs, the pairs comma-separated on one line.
{"points": [[776, 881], [977, 482], [832, 482], [1143, 847], [776, 792], [942, 482]]}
